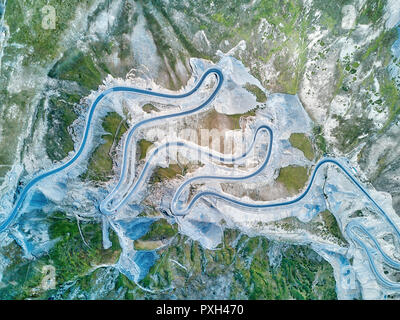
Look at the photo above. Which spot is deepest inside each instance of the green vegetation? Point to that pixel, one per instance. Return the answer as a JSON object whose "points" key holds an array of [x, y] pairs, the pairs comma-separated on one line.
{"points": [[158, 21], [236, 117], [357, 214], [71, 257], [332, 225], [324, 226], [61, 115], [391, 94], [340, 78], [292, 280], [148, 107], [127, 18], [160, 230], [144, 145], [349, 131], [22, 276], [163, 47], [380, 45], [79, 67], [382, 163], [372, 11], [321, 143], [286, 17], [319, 139], [293, 178], [244, 268], [303, 143], [241, 263], [179, 33], [260, 95], [162, 174], [148, 245], [100, 163], [388, 96], [226, 20], [26, 27]]}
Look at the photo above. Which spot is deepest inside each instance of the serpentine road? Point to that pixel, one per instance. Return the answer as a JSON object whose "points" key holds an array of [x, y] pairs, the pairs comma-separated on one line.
{"points": [[110, 206], [103, 207]]}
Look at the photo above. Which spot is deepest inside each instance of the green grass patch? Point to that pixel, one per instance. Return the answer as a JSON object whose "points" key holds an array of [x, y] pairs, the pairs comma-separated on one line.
{"points": [[390, 93], [77, 66], [293, 178], [162, 174], [303, 143], [372, 11], [226, 20], [71, 256], [260, 95], [101, 163], [332, 225], [236, 117], [320, 141], [160, 230], [144, 145], [60, 116], [148, 107]]}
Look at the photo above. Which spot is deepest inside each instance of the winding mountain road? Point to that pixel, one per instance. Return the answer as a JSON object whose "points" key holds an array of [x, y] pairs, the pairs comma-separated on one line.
{"points": [[110, 205], [103, 207]]}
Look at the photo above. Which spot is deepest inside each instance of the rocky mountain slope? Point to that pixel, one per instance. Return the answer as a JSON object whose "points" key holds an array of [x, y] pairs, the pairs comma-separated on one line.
{"points": [[340, 58]]}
